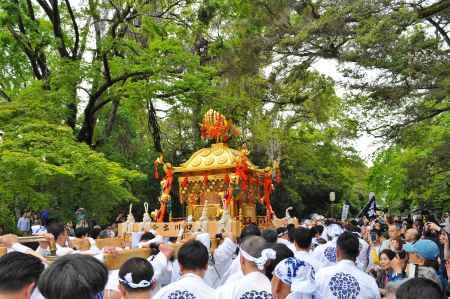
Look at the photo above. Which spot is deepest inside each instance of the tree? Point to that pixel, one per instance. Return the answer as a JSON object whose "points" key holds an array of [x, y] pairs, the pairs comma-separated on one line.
{"points": [[101, 89], [415, 170], [392, 40], [42, 165]]}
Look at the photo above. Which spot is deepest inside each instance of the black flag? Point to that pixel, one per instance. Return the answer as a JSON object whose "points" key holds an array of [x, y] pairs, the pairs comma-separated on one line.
{"points": [[370, 210]]}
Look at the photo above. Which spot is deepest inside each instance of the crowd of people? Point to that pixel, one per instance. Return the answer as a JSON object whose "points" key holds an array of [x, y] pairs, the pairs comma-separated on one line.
{"points": [[387, 257]]}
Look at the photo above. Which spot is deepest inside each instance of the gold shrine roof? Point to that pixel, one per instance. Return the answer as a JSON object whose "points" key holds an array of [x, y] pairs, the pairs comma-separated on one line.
{"points": [[218, 156]]}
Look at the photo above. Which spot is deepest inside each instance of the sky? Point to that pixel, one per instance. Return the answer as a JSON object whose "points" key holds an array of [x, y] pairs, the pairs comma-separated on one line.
{"points": [[365, 144]]}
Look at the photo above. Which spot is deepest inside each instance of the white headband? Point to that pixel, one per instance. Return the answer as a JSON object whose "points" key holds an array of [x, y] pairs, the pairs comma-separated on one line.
{"points": [[128, 280], [266, 254]]}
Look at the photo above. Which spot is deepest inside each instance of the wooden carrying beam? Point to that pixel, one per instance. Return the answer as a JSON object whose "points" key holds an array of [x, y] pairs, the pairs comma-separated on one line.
{"points": [[81, 244], [110, 242], [114, 261], [31, 239]]}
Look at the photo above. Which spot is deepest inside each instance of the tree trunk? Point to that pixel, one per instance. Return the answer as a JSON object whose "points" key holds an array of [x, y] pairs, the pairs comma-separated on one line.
{"points": [[111, 118], [86, 133]]}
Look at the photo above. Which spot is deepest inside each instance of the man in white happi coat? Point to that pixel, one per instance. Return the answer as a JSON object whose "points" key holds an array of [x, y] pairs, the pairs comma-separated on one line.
{"points": [[160, 265], [294, 279], [254, 255], [345, 279], [303, 240], [221, 261], [326, 253], [63, 243], [193, 261], [233, 272], [363, 258]]}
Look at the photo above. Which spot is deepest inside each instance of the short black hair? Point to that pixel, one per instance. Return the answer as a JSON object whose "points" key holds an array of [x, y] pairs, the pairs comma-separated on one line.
{"points": [[290, 229], [93, 233], [56, 229], [302, 237], [104, 234], [352, 228], [389, 253], [270, 235], [318, 229], [73, 276], [140, 270], [81, 232], [147, 236], [17, 270], [348, 245], [193, 255], [419, 288], [283, 252], [250, 230], [281, 231]]}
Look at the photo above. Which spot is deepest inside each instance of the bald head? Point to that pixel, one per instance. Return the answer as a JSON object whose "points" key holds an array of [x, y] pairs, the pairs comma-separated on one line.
{"points": [[411, 235]]}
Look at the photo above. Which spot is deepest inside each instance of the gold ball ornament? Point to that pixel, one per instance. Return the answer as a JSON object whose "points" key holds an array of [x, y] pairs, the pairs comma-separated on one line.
{"points": [[165, 198]]}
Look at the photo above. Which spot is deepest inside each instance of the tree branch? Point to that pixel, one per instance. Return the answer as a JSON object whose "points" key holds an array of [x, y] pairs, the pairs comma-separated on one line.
{"points": [[433, 9], [108, 84], [28, 52], [46, 7], [392, 130], [4, 95], [55, 19], [19, 18], [106, 70], [169, 8], [112, 118], [31, 10], [440, 30], [75, 29]]}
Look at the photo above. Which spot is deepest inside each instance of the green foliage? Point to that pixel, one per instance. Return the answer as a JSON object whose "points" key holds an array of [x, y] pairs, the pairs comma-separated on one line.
{"points": [[416, 170], [42, 165], [80, 87]]}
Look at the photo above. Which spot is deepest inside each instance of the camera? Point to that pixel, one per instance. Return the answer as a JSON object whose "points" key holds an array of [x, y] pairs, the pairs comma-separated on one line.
{"points": [[373, 235]]}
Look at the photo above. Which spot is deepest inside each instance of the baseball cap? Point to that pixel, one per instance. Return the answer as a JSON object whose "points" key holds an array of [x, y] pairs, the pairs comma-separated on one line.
{"points": [[425, 248]]}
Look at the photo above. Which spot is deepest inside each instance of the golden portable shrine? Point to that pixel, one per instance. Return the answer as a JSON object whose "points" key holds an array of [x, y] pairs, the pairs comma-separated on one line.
{"points": [[219, 185]]}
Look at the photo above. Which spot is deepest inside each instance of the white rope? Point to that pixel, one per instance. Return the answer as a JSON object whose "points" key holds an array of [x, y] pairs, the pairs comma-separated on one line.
{"points": [[128, 280], [266, 254]]}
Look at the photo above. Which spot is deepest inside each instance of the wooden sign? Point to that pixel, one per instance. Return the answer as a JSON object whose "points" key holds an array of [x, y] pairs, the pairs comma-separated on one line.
{"points": [[116, 260], [171, 229], [165, 229]]}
